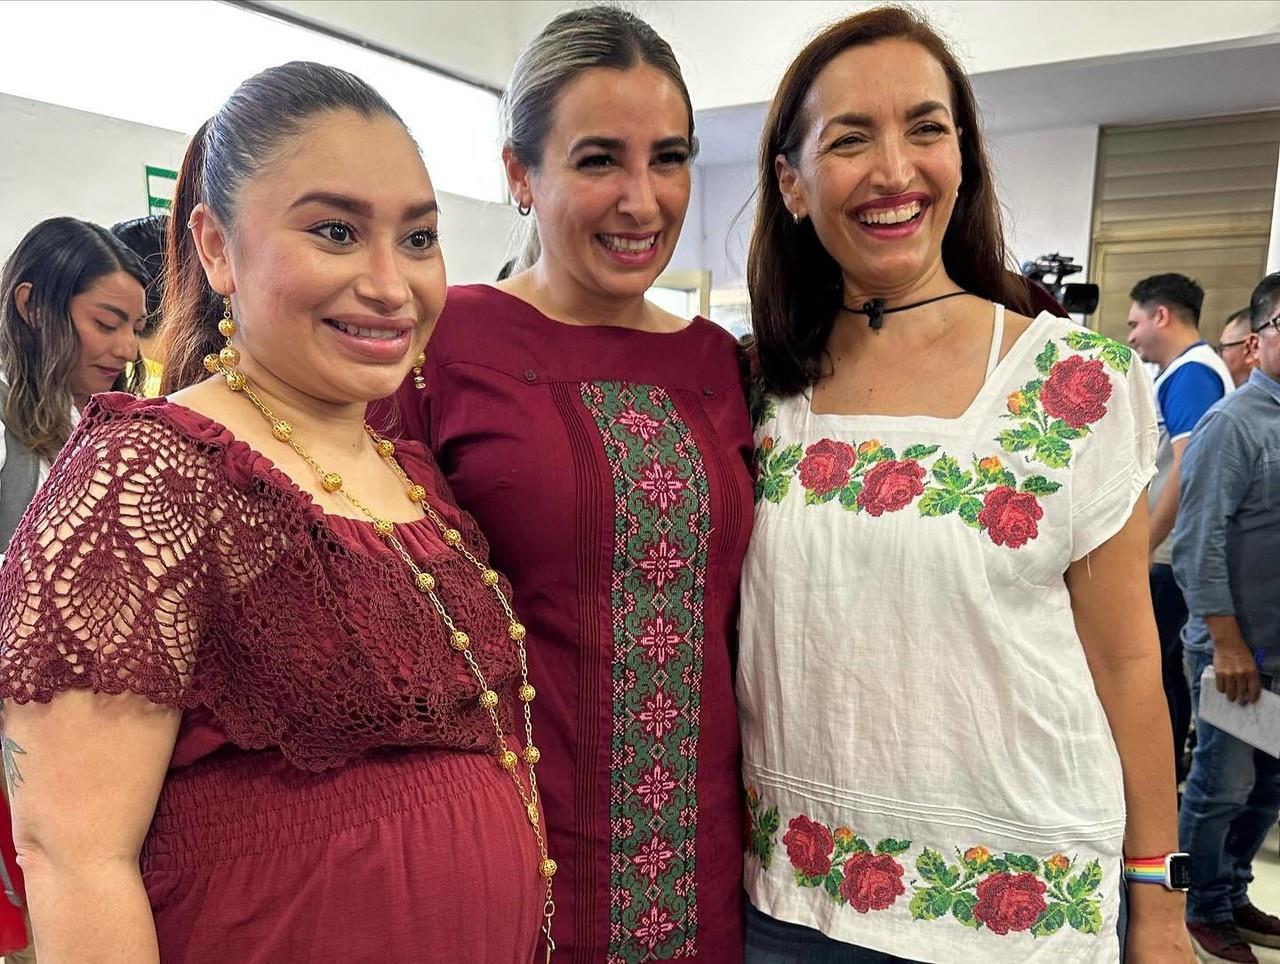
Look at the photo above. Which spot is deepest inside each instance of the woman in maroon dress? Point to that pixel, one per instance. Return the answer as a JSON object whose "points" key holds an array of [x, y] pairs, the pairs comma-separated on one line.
{"points": [[603, 444], [264, 699]]}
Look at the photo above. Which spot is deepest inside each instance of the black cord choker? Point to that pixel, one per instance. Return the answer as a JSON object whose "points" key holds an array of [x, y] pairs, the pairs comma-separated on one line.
{"points": [[875, 309]]}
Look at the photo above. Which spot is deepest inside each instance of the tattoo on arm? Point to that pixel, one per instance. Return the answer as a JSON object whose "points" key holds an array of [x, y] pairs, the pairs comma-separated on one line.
{"points": [[10, 751]]}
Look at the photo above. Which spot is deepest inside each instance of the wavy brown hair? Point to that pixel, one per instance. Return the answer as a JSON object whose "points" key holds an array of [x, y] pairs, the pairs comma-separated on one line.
{"points": [[796, 287], [60, 258]]}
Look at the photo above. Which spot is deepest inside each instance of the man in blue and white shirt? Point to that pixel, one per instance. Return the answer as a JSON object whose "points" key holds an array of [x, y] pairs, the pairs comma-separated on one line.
{"points": [[1164, 322]]}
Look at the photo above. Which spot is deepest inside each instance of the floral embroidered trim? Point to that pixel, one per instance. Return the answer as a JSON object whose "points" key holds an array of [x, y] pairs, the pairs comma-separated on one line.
{"points": [[1005, 894], [661, 531], [1053, 411], [761, 829]]}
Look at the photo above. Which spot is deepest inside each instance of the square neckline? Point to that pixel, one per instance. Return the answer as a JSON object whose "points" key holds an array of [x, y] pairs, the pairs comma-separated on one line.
{"points": [[995, 372]]}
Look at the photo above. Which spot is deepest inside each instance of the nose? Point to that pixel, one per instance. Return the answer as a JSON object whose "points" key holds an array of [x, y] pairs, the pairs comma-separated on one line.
{"points": [[639, 200], [383, 279], [124, 347], [893, 169]]}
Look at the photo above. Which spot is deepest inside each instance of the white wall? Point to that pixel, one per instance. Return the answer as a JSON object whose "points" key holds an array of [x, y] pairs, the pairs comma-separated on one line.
{"points": [[1044, 180], [55, 161]]}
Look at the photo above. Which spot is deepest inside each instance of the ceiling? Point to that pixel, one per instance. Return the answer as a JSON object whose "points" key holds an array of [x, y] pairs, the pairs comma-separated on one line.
{"points": [[1170, 84]]}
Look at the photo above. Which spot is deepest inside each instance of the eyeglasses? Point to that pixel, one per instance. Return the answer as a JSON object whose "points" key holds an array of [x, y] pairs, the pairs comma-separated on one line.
{"points": [[1224, 345], [1273, 322]]}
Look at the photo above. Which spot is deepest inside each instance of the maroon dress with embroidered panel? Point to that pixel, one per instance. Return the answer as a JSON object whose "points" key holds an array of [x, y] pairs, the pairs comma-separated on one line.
{"points": [[333, 794], [608, 468]]}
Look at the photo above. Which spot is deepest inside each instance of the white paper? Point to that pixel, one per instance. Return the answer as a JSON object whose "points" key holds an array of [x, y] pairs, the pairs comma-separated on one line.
{"points": [[1258, 723]]}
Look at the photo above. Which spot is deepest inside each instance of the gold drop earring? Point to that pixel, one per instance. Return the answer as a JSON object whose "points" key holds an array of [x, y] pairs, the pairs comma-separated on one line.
{"points": [[225, 361], [418, 381]]}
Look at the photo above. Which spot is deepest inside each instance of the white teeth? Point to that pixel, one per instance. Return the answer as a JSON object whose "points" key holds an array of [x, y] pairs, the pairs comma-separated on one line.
{"points": [[381, 334], [891, 216], [628, 245]]}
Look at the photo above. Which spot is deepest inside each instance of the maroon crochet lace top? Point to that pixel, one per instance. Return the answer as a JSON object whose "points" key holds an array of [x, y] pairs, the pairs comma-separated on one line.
{"points": [[165, 558]]}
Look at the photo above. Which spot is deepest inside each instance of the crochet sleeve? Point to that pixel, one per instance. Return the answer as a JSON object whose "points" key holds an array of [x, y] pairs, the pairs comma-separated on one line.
{"points": [[107, 579]]}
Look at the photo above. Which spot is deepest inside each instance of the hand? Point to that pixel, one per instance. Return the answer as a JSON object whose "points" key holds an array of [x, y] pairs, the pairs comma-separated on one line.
{"points": [[1236, 672], [1161, 939]]}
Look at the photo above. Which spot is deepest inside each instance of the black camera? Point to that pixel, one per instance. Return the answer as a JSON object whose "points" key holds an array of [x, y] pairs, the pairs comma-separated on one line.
{"points": [[1078, 299]]}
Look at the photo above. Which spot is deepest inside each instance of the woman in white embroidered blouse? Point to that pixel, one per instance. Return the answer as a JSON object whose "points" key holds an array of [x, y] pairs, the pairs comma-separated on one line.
{"points": [[949, 677]]}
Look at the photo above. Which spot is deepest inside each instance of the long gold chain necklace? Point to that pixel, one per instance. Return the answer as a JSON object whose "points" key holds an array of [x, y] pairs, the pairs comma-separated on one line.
{"points": [[224, 363]]}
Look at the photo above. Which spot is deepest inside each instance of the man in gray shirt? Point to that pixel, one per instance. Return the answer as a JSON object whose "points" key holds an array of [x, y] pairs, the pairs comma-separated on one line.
{"points": [[1226, 558]]}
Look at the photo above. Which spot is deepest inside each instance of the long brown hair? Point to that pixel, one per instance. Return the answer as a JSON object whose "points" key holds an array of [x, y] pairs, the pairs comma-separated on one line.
{"points": [[229, 149], [795, 285], [60, 258]]}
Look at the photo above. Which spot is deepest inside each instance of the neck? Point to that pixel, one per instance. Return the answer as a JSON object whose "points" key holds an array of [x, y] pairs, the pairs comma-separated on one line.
{"points": [[1180, 339], [933, 282], [81, 401], [325, 426], [567, 301]]}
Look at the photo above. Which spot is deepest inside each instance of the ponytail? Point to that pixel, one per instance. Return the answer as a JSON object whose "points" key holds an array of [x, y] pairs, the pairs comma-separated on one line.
{"points": [[190, 306]]}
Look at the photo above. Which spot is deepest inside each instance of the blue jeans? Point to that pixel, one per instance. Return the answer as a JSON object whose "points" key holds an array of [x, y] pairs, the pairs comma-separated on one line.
{"points": [[1231, 802]]}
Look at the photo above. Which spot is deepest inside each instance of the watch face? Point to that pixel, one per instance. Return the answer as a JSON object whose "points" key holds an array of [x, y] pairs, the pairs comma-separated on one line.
{"points": [[1179, 871]]}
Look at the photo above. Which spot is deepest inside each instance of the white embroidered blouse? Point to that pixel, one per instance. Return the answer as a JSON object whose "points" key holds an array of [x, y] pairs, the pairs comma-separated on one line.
{"points": [[929, 770]]}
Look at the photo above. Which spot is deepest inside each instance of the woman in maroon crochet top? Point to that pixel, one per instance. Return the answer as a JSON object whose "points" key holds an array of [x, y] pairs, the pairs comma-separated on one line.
{"points": [[237, 727], [603, 445]]}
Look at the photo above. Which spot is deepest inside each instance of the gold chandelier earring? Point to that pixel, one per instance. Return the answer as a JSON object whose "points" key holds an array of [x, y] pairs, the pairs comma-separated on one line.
{"points": [[224, 362], [418, 381]]}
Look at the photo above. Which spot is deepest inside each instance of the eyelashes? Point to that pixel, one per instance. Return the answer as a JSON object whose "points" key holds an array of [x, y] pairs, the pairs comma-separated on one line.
{"points": [[344, 235]]}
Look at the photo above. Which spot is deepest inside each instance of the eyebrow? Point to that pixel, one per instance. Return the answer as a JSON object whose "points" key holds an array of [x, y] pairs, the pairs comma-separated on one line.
{"points": [[618, 144], [362, 208], [123, 316], [865, 120]]}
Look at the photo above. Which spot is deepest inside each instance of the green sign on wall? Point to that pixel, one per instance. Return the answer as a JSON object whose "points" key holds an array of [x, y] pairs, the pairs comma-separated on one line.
{"points": [[161, 183]]}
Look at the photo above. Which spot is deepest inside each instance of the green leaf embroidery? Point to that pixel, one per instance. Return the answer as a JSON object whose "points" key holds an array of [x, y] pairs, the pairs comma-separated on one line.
{"points": [[920, 451], [1053, 451], [1017, 439], [773, 488], [930, 903], [1046, 358], [893, 847], [1064, 431], [832, 883], [1086, 881], [944, 468], [762, 409], [1085, 340], [860, 846], [1039, 485], [1116, 356], [1085, 916], [937, 502], [804, 880], [788, 458], [1050, 922], [849, 496], [931, 866], [962, 905], [1022, 863], [970, 509]]}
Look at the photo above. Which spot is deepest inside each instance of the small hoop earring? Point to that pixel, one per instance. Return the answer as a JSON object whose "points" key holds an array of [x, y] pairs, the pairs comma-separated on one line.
{"points": [[524, 210], [418, 381]]}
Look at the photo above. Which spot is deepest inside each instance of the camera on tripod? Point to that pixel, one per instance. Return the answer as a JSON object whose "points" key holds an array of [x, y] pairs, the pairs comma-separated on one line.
{"points": [[1078, 299]]}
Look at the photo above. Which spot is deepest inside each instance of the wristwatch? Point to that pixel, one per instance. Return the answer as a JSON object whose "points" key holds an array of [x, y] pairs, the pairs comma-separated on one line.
{"points": [[1171, 871]]}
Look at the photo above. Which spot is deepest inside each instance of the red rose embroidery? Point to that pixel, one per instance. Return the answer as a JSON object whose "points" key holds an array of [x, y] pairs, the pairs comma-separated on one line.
{"points": [[871, 882], [890, 486], [826, 466], [1010, 902], [1010, 516], [809, 845], [1076, 391]]}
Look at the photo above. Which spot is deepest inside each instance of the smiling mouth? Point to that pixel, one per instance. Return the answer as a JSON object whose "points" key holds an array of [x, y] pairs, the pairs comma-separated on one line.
{"points": [[890, 216], [379, 334], [628, 245]]}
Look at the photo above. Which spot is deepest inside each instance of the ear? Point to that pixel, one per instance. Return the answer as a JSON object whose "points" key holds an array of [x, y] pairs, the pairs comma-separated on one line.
{"points": [[1162, 317], [789, 186], [21, 297], [212, 244], [1252, 346], [519, 178]]}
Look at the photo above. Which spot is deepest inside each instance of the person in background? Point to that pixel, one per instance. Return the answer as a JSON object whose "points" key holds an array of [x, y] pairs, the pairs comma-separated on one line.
{"points": [[146, 238], [603, 445], [265, 700], [1238, 347], [1226, 557], [71, 308], [1164, 320], [953, 730]]}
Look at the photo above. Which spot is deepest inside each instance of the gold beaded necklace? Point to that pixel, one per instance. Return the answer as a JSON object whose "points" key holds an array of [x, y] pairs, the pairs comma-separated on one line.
{"points": [[224, 364]]}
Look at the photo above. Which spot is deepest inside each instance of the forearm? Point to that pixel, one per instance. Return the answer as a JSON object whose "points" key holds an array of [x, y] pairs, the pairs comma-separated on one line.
{"points": [[89, 912], [1225, 631]]}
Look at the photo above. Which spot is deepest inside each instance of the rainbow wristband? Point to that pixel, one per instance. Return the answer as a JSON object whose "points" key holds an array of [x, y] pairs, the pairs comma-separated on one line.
{"points": [[1145, 870]]}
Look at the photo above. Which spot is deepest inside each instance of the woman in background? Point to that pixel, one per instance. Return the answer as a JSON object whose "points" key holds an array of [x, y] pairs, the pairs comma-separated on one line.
{"points": [[146, 238], [603, 443]]}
